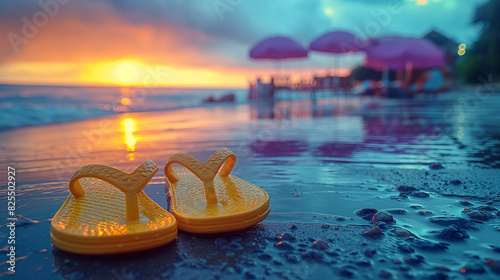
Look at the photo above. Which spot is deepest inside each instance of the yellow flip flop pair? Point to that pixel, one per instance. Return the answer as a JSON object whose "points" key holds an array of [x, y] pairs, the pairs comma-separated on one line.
{"points": [[107, 212]]}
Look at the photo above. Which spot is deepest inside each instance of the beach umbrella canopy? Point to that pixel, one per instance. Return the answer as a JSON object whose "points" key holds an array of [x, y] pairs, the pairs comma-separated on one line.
{"points": [[396, 53], [277, 48], [337, 42]]}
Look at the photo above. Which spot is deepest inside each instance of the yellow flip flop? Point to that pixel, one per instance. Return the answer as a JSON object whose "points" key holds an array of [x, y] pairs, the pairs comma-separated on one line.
{"points": [[206, 199], [107, 212]]}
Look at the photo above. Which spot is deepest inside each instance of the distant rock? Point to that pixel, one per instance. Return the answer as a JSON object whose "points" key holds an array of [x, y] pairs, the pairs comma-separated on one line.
{"points": [[414, 260], [403, 195], [312, 256], [287, 236], [452, 233], [480, 215], [461, 223], [366, 211], [382, 225], [419, 194], [424, 212], [227, 98], [363, 262], [209, 99], [465, 203], [396, 211], [23, 222], [373, 232], [401, 232], [233, 247], [220, 241], [436, 166], [486, 208], [284, 245], [382, 216], [427, 245], [494, 265], [320, 245]]}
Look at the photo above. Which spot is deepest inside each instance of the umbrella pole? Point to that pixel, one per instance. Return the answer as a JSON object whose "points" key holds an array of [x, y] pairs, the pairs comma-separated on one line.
{"points": [[276, 80], [385, 76], [408, 70], [335, 76], [385, 79]]}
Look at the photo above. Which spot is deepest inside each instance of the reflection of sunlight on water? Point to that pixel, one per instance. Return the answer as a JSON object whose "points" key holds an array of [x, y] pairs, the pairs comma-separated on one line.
{"points": [[128, 127], [125, 101]]}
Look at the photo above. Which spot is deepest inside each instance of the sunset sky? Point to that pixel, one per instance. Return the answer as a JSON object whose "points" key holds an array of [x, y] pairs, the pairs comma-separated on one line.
{"points": [[189, 43]]}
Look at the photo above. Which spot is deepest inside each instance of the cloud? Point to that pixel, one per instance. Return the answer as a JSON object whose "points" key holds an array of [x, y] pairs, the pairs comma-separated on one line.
{"points": [[213, 33]]}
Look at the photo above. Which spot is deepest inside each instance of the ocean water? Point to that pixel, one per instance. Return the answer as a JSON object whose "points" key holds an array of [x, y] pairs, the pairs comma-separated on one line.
{"points": [[319, 162], [37, 105]]}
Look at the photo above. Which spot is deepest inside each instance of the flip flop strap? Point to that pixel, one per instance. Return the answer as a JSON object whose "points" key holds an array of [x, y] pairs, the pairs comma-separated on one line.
{"points": [[129, 183], [222, 161]]}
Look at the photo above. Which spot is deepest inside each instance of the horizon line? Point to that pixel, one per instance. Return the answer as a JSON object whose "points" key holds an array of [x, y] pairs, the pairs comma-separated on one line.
{"points": [[122, 86]]}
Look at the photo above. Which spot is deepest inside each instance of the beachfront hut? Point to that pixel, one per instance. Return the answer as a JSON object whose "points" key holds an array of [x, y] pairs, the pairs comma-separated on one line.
{"points": [[402, 53], [450, 48]]}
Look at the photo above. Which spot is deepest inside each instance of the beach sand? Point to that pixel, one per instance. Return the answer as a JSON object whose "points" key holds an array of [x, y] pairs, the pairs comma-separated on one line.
{"points": [[319, 164]]}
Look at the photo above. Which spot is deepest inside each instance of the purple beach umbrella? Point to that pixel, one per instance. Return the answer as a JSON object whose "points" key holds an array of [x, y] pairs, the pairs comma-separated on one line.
{"points": [[277, 48], [396, 53], [337, 42]]}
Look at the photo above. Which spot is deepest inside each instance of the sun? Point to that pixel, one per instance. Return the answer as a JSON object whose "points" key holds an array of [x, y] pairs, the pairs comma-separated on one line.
{"points": [[129, 72], [124, 72]]}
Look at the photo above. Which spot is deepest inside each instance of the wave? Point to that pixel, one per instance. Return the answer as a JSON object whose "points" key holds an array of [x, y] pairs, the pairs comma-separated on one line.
{"points": [[39, 105]]}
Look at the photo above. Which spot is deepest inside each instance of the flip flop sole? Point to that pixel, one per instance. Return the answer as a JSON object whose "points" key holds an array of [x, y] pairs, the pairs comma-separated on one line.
{"points": [[95, 223], [241, 204], [223, 227], [106, 249]]}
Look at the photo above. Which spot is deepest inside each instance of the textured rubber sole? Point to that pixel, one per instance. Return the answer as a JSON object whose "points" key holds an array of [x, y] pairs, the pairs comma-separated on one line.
{"points": [[106, 249], [240, 203], [95, 223], [224, 227]]}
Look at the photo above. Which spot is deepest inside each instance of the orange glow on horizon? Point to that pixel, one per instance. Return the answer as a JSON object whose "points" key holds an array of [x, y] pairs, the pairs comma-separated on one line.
{"points": [[136, 55], [131, 72], [121, 53]]}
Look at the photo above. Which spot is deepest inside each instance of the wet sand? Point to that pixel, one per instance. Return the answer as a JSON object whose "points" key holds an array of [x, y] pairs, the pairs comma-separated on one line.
{"points": [[319, 163]]}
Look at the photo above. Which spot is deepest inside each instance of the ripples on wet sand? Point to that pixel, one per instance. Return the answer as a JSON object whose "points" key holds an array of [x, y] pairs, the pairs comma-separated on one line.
{"points": [[318, 163]]}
